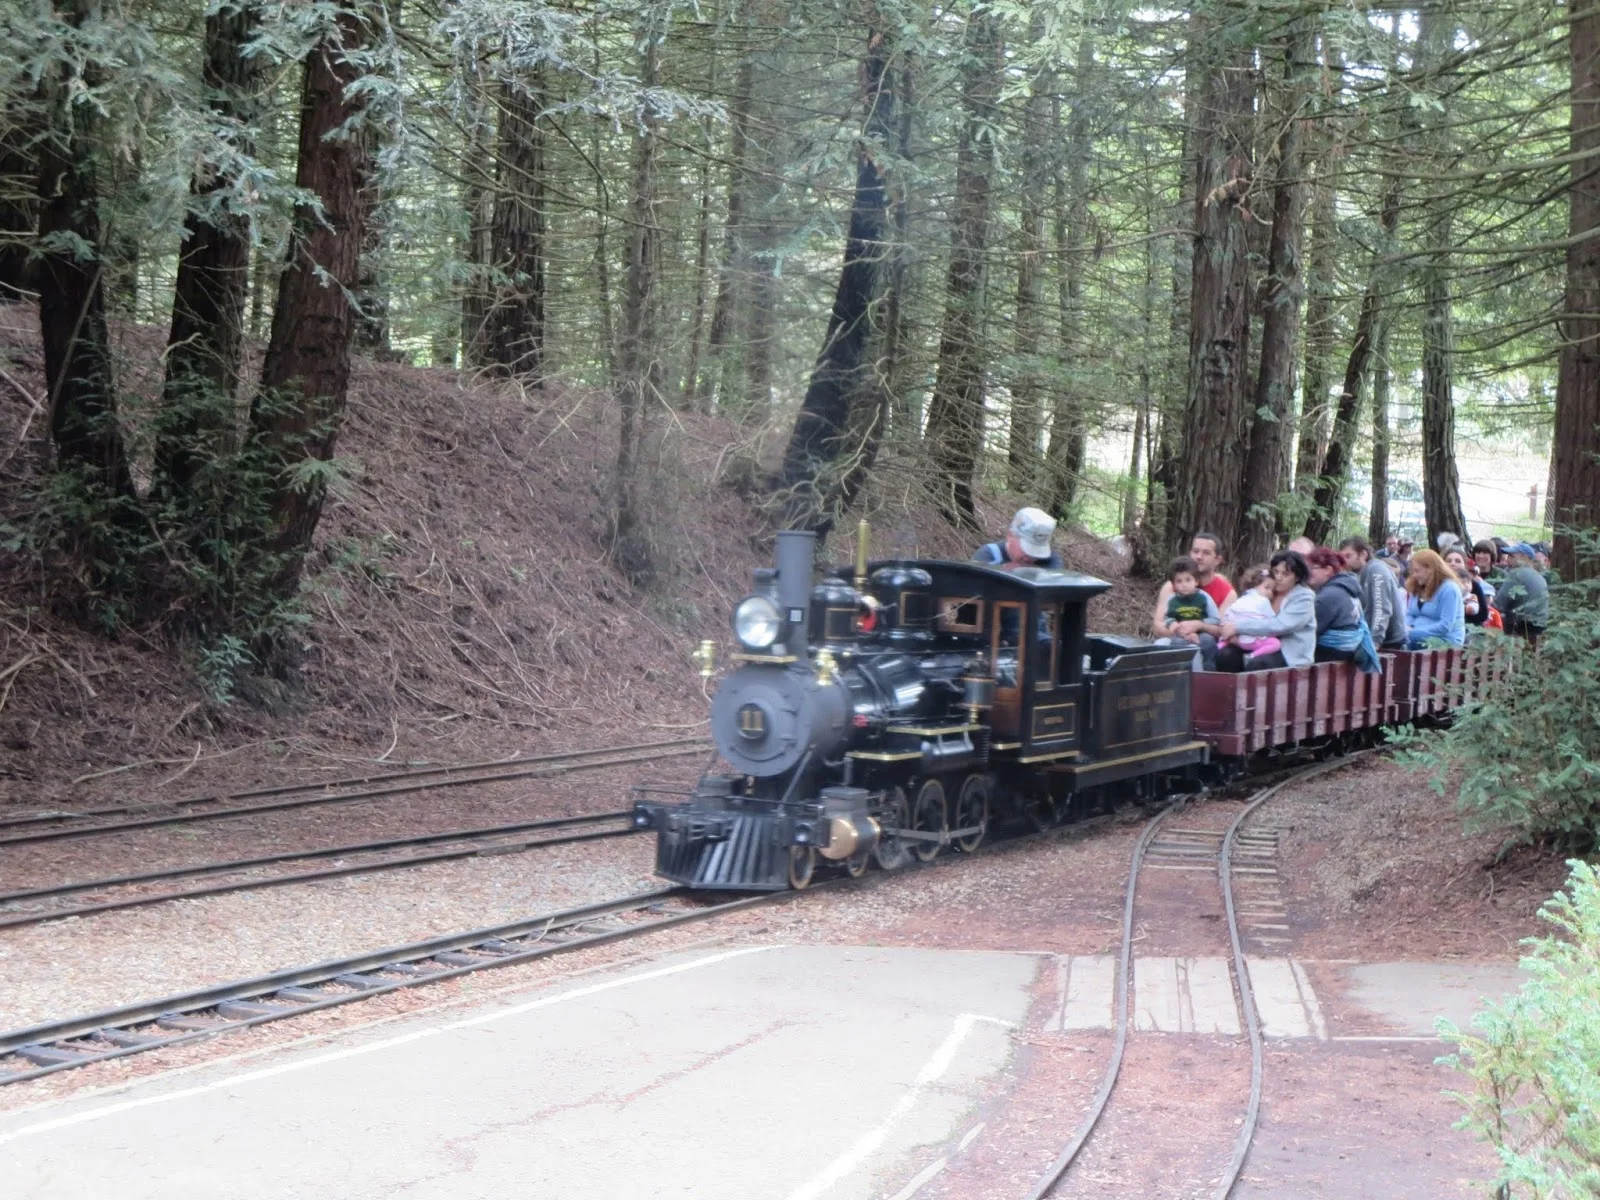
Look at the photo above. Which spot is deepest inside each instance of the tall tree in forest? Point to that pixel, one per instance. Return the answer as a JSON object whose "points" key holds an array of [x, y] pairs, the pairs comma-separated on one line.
{"points": [[1441, 484], [208, 303], [1378, 506], [1322, 284], [735, 262], [80, 386], [954, 432], [297, 411], [1328, 494], [19, 198], [1027, 389], [1266, 465], [1210, 466], [638, 359], [1576, 468], [513, 342], [822, 456], [1069, 433]]}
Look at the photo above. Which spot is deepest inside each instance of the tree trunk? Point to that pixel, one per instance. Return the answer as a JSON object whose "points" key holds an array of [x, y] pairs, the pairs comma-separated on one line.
{"points": [[1441, 486], [477, 199], [955, 416], [1321, 285], [1027, 389], [1069, 421], [208, 305], [761, 322], [80, 387], [1378, 518], [638, 363], [730, 275], [1266, 464], [19, 197], [1328, 496], [1575, 499], [702, 261], [514, 336], [298, 410], [1211, 464], [904, 409], [822, 456]]}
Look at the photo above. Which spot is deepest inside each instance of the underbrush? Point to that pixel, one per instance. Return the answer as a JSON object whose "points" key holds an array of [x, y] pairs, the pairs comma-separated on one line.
{"points": [[1534, 1060]]}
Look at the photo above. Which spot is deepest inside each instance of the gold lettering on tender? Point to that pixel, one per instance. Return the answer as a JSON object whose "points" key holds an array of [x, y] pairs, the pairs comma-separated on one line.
{"points": [[1166, 697], [1138, 700]]}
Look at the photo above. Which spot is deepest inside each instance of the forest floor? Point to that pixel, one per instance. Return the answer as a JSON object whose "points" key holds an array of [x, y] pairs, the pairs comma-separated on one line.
{"points": [[460, 599]]}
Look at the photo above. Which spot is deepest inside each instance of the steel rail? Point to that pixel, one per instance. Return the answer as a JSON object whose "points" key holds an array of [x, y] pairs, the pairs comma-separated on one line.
{"points": [[591, 760], [1252, 1018], [481, 848], [349, 781], [40, 1050]]}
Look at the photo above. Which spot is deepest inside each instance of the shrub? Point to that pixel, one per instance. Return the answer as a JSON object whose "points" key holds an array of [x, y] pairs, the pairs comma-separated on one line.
{"points": [[1535, 1059], [1528, 755]]}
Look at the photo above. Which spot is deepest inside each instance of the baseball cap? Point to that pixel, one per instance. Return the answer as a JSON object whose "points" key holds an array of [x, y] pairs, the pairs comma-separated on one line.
{"points": [[1520, 548], [1034, 528]]}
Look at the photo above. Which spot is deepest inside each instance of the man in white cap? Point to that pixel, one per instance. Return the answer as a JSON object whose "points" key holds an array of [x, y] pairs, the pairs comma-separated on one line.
{"points": [[1027, 543]]}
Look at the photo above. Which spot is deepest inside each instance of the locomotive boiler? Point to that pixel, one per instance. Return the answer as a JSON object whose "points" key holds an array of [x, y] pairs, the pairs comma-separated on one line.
{"points": [[896, 708]]}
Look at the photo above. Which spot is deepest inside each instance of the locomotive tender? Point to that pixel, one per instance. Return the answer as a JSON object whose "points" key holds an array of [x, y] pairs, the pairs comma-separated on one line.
{"points": [[893, 710]]}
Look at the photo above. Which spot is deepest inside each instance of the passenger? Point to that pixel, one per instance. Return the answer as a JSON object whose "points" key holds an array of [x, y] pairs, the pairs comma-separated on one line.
{"points": [[1447, 542], [1523, 596], [1342, 631], [1383, 598], [1435, 612], [1026, 544], [1205, 550], [1403, 557], [1255, 600], [1294, 622], [1475, 593], [1303, 546], [1391, 547], [1191, 609], [1486, 560], [1541, 560]]}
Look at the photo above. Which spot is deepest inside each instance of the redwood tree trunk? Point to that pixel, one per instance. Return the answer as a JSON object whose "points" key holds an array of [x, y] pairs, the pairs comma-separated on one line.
{"points": [[1576, 462], [514, 334], [1211, 464], [1266, 465], [955, 416], [710, 391], [821, 454], [300, 405], [1027, 390], [208, 303], [79, 382], [1378, 518], [1328, 495]]}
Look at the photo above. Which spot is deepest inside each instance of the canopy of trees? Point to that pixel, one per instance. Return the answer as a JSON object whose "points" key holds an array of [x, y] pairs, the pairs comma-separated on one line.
{"points": [[947, 248]]}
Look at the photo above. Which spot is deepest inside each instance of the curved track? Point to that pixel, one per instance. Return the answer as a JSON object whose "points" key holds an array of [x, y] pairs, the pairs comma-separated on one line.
{"points": [[1062, 1165], [25, 829]]}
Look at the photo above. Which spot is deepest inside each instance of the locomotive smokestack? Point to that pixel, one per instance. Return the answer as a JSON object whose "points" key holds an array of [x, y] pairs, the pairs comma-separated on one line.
{"points": [[796, 555]]}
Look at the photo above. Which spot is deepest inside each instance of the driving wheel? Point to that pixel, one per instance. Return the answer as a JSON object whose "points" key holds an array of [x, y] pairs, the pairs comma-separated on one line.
{"points": [[802, 866], [891, 852], [928, 816], [972, 811]]}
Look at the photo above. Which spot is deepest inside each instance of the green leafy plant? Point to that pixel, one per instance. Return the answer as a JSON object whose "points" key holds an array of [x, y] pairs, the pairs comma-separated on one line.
{"points": [[1527, 755], [220, 665], [1534, 1060]]}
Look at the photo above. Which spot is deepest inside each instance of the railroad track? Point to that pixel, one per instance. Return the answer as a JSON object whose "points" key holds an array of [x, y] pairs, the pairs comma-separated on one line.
{"points": [[42, 903], [177, 1020], [56, 825], [1186, 852]]}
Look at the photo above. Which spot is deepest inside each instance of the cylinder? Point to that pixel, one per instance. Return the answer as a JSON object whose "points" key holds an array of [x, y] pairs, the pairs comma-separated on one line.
{"points": [[796, 554]]}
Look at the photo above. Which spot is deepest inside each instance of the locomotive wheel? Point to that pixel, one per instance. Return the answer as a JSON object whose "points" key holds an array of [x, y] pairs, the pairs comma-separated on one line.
{"points": [[972, 808], [928, 816], [891, 852], [856, 865], [802, 866], [1041, 810]]}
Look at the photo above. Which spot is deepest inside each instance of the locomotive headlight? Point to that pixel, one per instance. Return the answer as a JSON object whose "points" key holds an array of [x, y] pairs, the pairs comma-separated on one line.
{"points": [[756, 622]]}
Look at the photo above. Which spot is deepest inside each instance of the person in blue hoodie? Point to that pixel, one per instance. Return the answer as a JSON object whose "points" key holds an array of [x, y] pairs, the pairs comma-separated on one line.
{"points": [[1435, 610]]}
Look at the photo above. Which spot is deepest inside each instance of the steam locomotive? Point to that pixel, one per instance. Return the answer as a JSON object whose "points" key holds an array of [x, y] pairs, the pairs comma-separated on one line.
{"points": [[899, 707]]}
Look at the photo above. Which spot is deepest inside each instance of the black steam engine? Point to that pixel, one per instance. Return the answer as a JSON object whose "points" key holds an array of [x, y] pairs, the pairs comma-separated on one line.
{"points": [[889, 711]]}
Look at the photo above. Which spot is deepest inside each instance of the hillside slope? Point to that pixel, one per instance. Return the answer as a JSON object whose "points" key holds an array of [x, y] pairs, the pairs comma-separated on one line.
{"points": [[461, 603]]}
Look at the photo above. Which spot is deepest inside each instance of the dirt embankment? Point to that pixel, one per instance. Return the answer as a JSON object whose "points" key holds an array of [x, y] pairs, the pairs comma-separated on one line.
{"points": [[460, 598]]}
